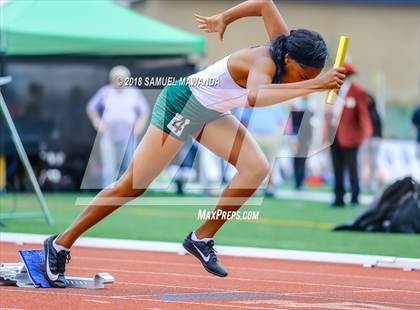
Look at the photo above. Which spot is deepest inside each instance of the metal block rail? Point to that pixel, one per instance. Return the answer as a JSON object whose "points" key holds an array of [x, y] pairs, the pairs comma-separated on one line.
{"points": [[17, 274]]}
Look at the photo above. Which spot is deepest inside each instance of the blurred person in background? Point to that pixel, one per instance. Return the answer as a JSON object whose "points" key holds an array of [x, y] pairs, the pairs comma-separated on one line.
{"points": [[119, 114], [349, 120], [415, 119], [301, 117], [33, 121], [265, 125], [185, 170], [371, 147]]}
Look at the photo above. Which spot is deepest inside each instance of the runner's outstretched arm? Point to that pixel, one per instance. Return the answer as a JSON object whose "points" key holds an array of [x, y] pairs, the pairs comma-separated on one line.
{"points": [[273, 21]]}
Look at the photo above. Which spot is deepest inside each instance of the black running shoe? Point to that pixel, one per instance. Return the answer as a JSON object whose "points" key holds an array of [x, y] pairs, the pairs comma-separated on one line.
{"points": [[55, 263], [338, 204], [205, 252]]}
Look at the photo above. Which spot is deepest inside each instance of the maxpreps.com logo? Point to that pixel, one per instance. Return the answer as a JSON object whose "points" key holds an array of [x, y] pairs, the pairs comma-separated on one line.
{"points": [[219, 214]]}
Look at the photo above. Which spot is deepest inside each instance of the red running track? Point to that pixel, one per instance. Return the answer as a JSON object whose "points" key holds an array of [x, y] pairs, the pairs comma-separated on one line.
{"points": [[157, 281]]}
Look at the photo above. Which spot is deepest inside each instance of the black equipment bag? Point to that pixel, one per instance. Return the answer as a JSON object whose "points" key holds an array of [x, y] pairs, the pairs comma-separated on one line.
{"points": [[396, 210]]}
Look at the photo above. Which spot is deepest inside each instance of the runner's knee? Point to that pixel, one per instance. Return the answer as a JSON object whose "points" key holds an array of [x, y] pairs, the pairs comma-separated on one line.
{"points": [[257, 170], [125, 187]]}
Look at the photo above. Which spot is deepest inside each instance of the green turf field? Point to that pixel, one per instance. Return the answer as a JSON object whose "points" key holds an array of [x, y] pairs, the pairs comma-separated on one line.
{"points": [[283, 224]]}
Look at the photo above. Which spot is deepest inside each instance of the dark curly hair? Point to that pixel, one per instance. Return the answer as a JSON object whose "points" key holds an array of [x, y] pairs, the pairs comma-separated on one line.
{"points": [[306, 47]]}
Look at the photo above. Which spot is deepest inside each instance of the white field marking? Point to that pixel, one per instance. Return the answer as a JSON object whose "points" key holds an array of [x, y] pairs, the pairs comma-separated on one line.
{"points": [[275, 294], [214, 291], [233, 291], [221, 291], [176, 293], [200, 303], [48, 292], [336, 292], [253, 291], [269, 281], [369, 301], [178, 286], [372, 291], [99, 301], [367, 290], [246, 279], [236, 251], [189, 287], [276, 270], [324, 297], [140, 261], [333, 305], [349, 302], [132, 298], [20, 290]]}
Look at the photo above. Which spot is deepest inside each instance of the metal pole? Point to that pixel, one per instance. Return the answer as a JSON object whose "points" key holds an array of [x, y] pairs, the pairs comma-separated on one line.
{"points": [[23, 156]]}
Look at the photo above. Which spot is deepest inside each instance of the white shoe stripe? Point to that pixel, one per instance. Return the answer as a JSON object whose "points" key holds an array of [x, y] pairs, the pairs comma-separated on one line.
{"points": [[205, 258], [51, 276]]}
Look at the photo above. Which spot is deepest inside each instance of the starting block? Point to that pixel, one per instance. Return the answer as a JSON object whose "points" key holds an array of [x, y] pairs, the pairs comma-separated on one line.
{"points": [[30, 273]]}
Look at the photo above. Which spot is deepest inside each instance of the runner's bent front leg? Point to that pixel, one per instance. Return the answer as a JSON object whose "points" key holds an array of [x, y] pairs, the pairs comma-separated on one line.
{"points": [[240, 149]]}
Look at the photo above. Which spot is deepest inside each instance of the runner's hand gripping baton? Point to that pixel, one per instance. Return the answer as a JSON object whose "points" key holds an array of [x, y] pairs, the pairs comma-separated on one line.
{"points": [[339, 61]]}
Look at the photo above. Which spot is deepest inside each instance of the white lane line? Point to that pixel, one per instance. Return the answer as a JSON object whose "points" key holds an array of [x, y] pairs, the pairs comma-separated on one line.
{"points": [[255, 280], [317, 297], [338, 305], [20, 290], [275, 294], [274, 270], [244, 279], [98, 301], [221, 291], [259, 307], [235, 251], [49, 292], [179, 286], [217, 305], [363, 300]]}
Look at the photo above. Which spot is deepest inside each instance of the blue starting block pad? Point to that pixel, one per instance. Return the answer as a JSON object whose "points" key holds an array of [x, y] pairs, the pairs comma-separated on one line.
{"points": [[34, 265], [30, 273]]}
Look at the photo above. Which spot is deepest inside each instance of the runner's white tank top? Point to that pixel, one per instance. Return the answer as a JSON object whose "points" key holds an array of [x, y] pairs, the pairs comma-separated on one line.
{"points": [[217, 91]]}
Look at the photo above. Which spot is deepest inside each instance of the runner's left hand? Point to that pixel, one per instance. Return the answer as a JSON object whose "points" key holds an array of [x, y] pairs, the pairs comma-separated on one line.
{"points": [[213, 23]]}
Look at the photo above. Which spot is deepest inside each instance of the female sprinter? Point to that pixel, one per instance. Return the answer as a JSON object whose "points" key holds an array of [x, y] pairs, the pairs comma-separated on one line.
{"points": [[254, 77]]}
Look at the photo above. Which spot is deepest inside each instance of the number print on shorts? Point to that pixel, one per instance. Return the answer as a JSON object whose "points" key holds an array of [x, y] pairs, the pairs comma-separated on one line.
{"points": [[177, 124]]}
